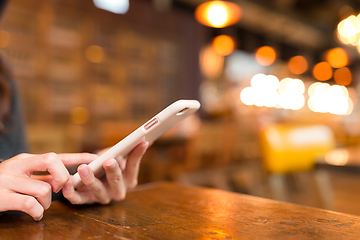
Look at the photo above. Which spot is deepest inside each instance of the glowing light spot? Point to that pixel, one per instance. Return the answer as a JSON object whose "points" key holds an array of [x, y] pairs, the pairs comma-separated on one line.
{"points": [[265, 55], [311, 90], [257, 80], [223, 45], [80, 115], [350, 106], [211, 63], [321, 89], [298, 65], [268, 91], [263, 91], [291, 94], [345, 91], [342, 39], [295, 86], [348, 27], [337, 157], [348, 30], [247, 96], [337, 58], [342, 76], [322, 71], [94, 54], [272, 83], [218, 14], [311, 104], [333, 99], [283, 84]]}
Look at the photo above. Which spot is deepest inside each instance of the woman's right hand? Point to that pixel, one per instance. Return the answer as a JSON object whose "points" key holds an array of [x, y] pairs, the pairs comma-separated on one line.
{"points": [[22, 191]]}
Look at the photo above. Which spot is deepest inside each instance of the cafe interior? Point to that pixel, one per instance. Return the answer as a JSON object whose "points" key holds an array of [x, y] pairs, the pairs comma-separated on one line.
{"points": [[278, 82]]}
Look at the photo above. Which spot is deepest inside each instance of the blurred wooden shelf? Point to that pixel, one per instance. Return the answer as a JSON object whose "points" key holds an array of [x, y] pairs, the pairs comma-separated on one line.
{"points": [[145, 64]]}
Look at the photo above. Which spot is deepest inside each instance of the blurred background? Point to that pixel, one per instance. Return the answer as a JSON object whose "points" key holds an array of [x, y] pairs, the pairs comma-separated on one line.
{"points": [[278, 82]]}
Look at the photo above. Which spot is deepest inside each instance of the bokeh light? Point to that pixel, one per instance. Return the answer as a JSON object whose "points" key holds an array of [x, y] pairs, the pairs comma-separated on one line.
{"points": [[265, 55], [317, 88], [291, 94], [322, 71], [298, 64], [218, 14], [94, 54], [337, 58], [223, 45], [333, 99], [80, 115], [343, 76], [247, 96], [257, 80], [211, 63], [342, 39], [349, 29], [337, 157], [268, 91], [263, 91], [294, 86]]}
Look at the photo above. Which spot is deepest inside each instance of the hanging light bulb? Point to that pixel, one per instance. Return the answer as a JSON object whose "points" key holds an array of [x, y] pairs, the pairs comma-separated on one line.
{"points": [[114, 6], [218, 14]]}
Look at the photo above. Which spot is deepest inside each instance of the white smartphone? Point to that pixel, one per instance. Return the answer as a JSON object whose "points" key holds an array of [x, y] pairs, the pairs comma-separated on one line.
{"points": [[149, 131]]}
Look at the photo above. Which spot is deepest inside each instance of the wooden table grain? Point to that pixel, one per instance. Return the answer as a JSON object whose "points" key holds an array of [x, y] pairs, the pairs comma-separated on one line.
{"points": [[170, 211]]}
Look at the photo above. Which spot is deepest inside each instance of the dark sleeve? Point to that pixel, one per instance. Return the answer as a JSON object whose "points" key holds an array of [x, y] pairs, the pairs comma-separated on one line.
{"points": [[14, 141]]}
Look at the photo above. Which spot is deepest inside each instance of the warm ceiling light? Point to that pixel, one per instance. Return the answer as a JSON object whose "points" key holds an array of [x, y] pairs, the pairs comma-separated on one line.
{"points": [[337, 57], [223, 45], [322, 71], [298, 65], [265, 55], [218, 14], [114, 6], [342, 76]]}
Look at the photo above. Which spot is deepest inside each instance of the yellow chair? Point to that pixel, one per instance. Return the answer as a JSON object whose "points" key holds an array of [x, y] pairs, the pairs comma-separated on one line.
{"points": [[291, 148]]}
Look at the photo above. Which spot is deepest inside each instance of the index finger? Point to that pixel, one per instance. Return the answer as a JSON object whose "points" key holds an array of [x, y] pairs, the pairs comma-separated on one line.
{"points": [[46, 162], [72, 159], [24, 155]]}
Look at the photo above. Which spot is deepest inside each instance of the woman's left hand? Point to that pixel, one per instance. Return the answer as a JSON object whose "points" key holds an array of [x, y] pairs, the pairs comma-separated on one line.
{"points": [[121, 175]]}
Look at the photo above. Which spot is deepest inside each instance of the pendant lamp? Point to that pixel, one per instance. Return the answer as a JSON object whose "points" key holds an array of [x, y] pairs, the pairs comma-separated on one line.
{"points": [[218, 14]]}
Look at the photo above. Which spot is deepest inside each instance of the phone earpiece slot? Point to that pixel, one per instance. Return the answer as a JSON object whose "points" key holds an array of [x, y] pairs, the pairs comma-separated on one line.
{"points": [[182, 111]]}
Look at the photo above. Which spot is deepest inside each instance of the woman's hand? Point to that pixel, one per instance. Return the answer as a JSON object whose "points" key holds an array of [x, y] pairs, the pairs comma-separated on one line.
{"points": [[21, 190], [121, 175]]}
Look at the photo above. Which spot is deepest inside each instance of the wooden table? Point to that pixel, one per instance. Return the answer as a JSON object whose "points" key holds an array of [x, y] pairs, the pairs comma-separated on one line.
{"points": [[169, 211]]}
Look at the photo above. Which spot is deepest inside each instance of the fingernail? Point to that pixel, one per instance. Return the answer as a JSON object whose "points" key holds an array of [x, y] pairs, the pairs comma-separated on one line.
{"points": [[84, 172], [40, 218], [145, 145], [58, 190], [66, 187], [111, 165]]}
